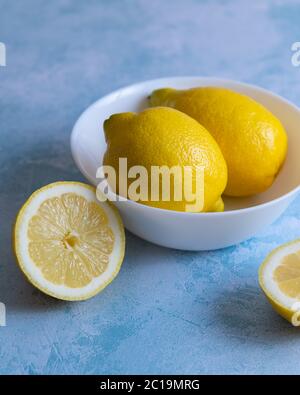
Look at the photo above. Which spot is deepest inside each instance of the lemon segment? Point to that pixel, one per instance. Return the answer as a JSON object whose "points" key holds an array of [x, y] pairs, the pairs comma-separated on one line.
{"points": [[68, 244], [279, 278]]}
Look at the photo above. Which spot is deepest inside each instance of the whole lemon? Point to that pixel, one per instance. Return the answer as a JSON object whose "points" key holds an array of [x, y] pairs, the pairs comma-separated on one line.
{"points": [[166, 137], [252, 140]]}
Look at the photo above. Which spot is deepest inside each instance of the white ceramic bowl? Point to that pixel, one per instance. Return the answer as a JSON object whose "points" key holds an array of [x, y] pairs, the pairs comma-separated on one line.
{"points": [[243, 218]]}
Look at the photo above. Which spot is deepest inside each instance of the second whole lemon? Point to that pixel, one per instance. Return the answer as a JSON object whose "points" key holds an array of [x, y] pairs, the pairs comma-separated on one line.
{"points": [[252, 139], [166, 137]]}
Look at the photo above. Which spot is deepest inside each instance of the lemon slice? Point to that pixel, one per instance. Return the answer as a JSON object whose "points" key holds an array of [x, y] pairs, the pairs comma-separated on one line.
{"points": [[279, 278], [67, 243]]}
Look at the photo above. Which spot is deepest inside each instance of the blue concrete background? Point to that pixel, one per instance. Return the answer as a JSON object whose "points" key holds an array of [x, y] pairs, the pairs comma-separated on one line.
{"points": [[168, 311]]}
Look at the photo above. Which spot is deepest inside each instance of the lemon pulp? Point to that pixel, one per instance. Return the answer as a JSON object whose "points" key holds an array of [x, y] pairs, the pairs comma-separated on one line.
{"points": [[65, 240], [287, 275]]}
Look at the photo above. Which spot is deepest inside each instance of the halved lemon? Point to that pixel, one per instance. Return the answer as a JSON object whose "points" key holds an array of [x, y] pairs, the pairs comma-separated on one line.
{"points": [[279, 278], [67, 243]]}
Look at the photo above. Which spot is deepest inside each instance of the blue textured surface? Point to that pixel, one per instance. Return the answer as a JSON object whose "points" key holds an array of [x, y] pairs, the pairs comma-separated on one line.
{"points": [[168, 311]]}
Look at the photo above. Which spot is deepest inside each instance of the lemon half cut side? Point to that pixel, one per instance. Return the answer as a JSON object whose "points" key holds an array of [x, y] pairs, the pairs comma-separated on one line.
{"points": [[279, 278], [67, 243]]}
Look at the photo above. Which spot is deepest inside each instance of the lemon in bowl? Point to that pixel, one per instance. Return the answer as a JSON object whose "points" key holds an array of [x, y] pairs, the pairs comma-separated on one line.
{"points": [[252, 139], [167, 139]]}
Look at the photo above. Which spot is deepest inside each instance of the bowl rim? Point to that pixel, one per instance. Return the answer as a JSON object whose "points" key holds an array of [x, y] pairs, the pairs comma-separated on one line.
{"points": [[117, 199]]}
